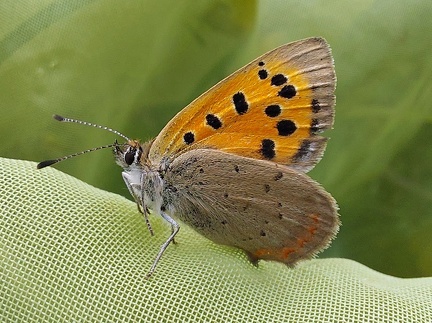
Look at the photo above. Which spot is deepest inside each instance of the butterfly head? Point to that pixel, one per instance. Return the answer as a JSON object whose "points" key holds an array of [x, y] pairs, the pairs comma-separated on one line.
{"points": [[128, 154]]}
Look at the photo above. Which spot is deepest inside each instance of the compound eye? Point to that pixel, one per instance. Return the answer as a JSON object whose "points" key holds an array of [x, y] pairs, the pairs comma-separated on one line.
{"points": [[129, 156]]}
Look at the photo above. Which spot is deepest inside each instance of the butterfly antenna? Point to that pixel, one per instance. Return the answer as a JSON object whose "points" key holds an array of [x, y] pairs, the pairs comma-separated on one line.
{"points": [[50, 162], [57, 117], [63, 119]]}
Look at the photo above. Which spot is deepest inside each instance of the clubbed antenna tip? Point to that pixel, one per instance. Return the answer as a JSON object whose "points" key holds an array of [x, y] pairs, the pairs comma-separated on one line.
{"points": [[58, 118], [46, 163]]}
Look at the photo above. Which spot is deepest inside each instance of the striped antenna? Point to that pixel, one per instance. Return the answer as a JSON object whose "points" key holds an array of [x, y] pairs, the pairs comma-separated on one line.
{"points": [[50, 162], [85, 123]]}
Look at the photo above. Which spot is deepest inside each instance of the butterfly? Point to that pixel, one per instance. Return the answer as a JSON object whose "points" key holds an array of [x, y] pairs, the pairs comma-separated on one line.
{"points": [[232, 163]]}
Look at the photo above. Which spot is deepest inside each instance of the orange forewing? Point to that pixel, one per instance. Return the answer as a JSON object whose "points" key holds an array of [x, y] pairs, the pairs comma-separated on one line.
{"points": [[305, 66]]}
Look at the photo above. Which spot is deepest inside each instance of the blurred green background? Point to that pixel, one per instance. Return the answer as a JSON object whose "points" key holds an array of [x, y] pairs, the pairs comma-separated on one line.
{"points": [[132, 65]]}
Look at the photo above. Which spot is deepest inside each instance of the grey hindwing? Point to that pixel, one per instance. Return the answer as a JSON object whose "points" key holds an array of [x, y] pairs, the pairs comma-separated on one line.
{"points": [[267, 209]]}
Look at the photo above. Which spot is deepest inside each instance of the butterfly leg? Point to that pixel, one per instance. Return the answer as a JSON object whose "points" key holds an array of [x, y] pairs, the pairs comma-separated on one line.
{"points": [[145, 209], [139, 201], [174, 230]]}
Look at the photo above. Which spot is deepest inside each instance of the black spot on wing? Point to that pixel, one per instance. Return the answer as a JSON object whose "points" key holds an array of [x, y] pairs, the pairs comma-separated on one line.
{"points": [[286, 127], [188, 138], [278, 176], [267, 149], [240, 104], [315, 106], [262, 74], [288, 91], [213, 121], [315, 127], [273, 110], [278, 80]]}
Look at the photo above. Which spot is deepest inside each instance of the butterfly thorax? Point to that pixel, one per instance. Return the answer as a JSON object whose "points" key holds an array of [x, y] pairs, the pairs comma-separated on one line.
{"points": [[142, 178]]}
